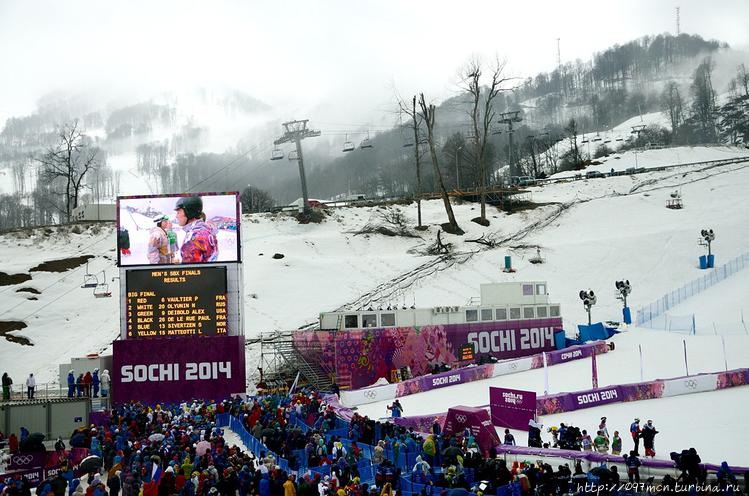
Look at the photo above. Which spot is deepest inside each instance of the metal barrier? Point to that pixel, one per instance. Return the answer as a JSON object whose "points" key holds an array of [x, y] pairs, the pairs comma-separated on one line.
{"points": [[648, 313], [252, 443]]}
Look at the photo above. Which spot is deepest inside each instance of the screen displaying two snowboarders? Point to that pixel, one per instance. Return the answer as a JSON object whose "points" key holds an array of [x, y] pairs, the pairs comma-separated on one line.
{"points": [[178, 229]]}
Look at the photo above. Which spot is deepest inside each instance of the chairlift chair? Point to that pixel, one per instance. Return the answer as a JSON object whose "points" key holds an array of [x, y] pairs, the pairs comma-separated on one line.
{"points": [[293, 155], [365, 143], [276, 154], [408, 143], [348, 146], [89, 280], [102, 290], [584, 141]]}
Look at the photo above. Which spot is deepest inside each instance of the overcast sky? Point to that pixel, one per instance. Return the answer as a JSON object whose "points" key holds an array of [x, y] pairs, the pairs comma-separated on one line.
{"points": [[319, 52]]}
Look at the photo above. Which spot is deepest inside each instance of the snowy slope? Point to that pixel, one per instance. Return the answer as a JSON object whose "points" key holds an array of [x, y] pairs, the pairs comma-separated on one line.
{"points": [[603, 236], [663, 357], [590, 232]]}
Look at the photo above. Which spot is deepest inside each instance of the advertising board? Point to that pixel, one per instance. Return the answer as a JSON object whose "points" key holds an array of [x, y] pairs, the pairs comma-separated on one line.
{"points": [[178, 229], [511, 407], [178, 369]]}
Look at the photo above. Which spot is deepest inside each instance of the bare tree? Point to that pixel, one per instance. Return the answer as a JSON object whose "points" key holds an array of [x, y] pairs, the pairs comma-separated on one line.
{"points": [[673, 106], [742, 78], [482, 114], [67, 163], [576, 156], [415, 126], [255, 200], [427, 113]]}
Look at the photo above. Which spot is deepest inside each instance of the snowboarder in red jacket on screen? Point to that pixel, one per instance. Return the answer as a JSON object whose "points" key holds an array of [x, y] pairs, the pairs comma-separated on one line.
{"points": [[200, 243]]}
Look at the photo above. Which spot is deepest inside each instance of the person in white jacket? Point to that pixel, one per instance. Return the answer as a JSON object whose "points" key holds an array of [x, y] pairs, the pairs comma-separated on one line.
{"points": [[30, 386], [105, 380]]}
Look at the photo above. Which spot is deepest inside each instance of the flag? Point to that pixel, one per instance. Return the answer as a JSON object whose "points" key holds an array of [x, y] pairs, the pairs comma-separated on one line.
{"points": [[594, 370], [546, 375], [642, 375], [293, 386]]}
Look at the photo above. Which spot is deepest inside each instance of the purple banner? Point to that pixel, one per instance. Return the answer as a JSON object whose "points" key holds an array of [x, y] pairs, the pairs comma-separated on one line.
{"points": [[444, 379], [36, 467], [511, 408], [27, 461], [602, 458], [576, 352], [360, 357], [179, 369], [477, 421]]}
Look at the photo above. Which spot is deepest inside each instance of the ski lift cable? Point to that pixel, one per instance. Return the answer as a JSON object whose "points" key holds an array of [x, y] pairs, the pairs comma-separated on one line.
{"points": [[52, 300], [81, 249], [225, 167]]}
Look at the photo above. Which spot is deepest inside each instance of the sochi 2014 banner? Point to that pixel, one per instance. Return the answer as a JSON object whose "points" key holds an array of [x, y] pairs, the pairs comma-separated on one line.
{"points": [[511, 407], [367, 355], [179, 369]]}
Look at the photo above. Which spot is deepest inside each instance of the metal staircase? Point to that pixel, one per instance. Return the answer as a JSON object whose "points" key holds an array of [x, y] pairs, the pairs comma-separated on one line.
{"points": [[286, 360]]}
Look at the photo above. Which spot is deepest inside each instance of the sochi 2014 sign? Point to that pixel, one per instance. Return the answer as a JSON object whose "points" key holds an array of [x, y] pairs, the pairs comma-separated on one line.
{"points": [[180, 369]]}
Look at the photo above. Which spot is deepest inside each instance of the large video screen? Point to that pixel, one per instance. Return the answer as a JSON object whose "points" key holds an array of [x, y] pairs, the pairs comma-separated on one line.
{"points": [[178, 229], [176, 302]]}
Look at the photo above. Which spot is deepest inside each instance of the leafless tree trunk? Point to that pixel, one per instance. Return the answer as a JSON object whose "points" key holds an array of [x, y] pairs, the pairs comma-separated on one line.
{"points": [[672, 105], [69, 161], [482, 114], [427, 114], [416, 122]]}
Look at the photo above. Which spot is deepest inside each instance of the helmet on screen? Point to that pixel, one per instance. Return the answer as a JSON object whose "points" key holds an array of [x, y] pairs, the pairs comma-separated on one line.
{"points": [[160, 218], [192, 206]]}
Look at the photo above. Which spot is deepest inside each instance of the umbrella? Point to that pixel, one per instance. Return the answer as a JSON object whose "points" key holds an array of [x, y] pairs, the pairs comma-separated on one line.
{"points": [[452, 451], [156, 438], [33, 443], [202, 447], [91, 464], [78, 440]]}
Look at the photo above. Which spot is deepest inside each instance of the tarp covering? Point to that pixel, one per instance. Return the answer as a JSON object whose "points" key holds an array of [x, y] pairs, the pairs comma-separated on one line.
{"points": [[477, 420], [592, 332]]}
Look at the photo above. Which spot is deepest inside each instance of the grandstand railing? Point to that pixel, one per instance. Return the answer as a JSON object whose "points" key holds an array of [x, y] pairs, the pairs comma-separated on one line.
{"points": [[649, 313], [253, 444]]}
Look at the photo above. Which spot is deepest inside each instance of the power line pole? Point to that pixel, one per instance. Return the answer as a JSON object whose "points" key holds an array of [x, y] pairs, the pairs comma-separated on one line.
{"points": [[678, 22], [295, 132], [508, 118]]}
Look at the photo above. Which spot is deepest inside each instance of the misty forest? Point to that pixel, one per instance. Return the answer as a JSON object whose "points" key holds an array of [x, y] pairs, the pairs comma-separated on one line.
{"points": [[74, 149]]}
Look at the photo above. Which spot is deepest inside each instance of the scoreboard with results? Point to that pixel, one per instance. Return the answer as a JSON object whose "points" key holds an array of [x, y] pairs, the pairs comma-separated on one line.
{"points": [[176, 302]]}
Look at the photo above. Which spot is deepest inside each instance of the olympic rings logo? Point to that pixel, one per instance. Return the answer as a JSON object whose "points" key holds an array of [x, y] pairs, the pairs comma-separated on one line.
{"points": [[461, 419], [691, 384], [370, 394], [22, 459], [513, 365]]}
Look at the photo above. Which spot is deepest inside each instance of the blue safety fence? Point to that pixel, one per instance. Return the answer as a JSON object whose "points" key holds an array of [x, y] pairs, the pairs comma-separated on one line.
{"points": [[647, 315], [252, 443]]}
